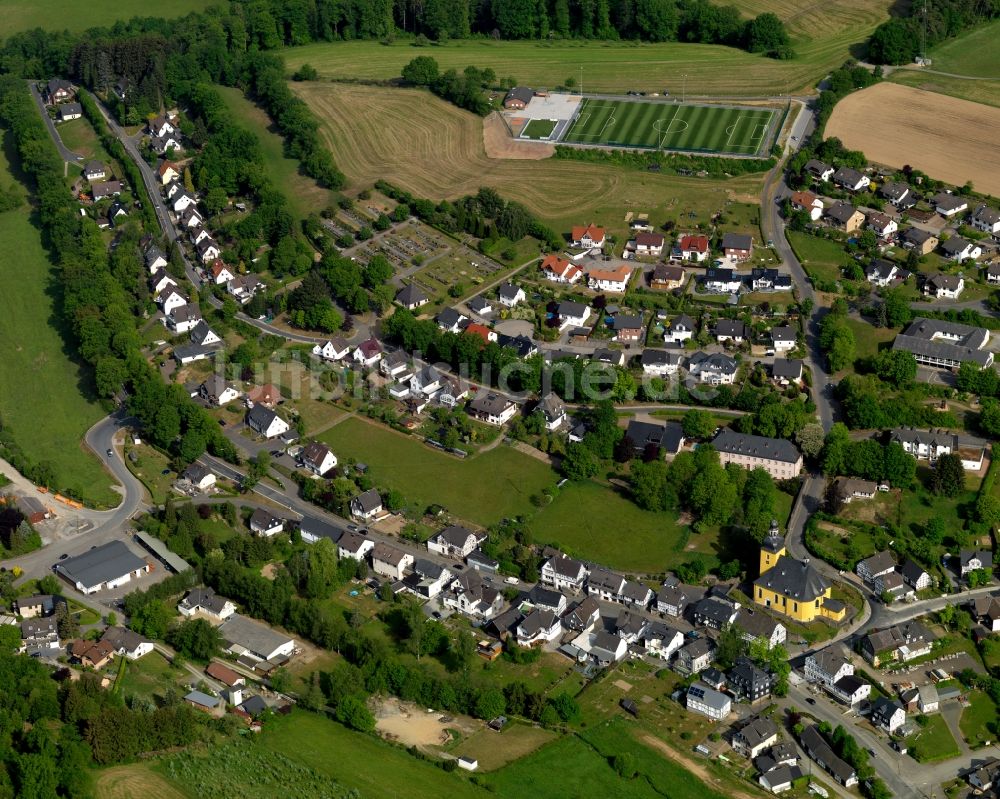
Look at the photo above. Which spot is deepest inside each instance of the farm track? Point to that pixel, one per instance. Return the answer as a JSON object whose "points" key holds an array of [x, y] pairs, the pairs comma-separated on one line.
{"points": [[433, 149]]}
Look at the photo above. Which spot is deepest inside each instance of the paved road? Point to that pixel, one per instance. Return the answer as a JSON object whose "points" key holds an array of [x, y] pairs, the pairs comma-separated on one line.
{"points": [[66, 154]]}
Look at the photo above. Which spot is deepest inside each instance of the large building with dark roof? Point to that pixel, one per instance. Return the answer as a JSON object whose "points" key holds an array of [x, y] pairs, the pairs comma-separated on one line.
{"points": [[936, 342], [776, 456], [104, 567], [793, 587]]}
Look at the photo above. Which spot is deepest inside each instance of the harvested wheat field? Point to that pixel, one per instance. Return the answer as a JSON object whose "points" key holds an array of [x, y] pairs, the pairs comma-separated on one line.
{"points": [[949, 139], [134, 782], [435, 150]]}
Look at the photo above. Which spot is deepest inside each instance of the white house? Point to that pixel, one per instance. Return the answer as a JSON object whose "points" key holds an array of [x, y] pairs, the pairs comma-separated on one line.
{"points": [[335, 349], [614, 280], [808, 202], [708, 702], [368, 352], [206, 602], [882, 273], [715, 368], [563, 573], [819, 170], [160, 126], [207, 249], [888, 714], [851, 179], [160, 280], [198, 476], [221, 274], [573, 314], [266, 422], [828, 665], [203, 335], [454, 542], [167, 172], [559, 270], [721, 281], [169, 300], [660, 362], [318, 458], [263, 522], [649, 244], [125, 642], [693, 248], [181, 201], [783, 338], [945, 286], [662, 641], [553, 409], [679, 330], [949, 204], [389, 561], [217, 391], [883, 225], [958, 249], [510, 295], [155, 259], [587, 237], [366, 505], [354, 546], [183, 318], [492, 408], [537, 627], [986, 219]]}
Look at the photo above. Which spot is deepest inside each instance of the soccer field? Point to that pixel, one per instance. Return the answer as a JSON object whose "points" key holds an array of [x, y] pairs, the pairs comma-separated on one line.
{"points": [[670, 126]]}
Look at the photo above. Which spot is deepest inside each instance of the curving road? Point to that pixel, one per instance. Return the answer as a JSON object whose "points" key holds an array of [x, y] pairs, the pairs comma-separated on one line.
{"points": [[65, 153], [153, 188]]}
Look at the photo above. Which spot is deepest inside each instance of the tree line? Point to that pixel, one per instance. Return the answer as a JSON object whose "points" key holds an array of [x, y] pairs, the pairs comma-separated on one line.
{"points": [[465, 90], [95, 301]]}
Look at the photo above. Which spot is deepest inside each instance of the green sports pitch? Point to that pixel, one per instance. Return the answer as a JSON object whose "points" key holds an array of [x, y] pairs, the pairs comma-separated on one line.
{"points": [[670, 126]]}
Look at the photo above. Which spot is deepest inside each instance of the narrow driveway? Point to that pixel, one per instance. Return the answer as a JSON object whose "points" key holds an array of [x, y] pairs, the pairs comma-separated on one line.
{"points": [[66, 154]]}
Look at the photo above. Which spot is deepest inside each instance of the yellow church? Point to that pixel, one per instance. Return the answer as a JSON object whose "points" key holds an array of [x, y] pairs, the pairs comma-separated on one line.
{"points": [[793, 587]]}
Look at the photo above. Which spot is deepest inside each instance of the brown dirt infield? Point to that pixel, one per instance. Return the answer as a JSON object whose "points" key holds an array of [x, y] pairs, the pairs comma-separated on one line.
{"points": [[949, 139], [499, 144], [412, 725]]}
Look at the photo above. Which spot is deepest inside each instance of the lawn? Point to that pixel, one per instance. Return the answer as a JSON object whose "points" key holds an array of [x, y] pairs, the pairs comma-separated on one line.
{"points": [[821, 258], [594, 522], [494, 750], [670, 126], [868, 338], [39, 380], [304, 195], [980, 712], [539, 129], [933, 741], [378, 770], [482, 489], [973, 53], [568, 767], [148, 467], [78, 135], [150, 677], [21, 15]]}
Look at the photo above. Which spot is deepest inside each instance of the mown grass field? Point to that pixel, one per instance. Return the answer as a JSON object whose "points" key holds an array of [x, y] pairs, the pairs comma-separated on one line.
{"points": [[821, 258], [20, 15], [538, 129], [78, 135], [304, 195], [436, 150], [933, 741], [46, 398], [702, 128], [823, 36], [975, 717], [594, 522], [976, 91], [482, 489], [974, 53], [378, 770]]}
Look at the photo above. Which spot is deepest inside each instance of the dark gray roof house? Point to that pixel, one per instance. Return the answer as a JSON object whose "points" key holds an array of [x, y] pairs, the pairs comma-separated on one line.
{"points": [[104, 564], [737, 241], [782, 368], [412, 296], [797, 579]]}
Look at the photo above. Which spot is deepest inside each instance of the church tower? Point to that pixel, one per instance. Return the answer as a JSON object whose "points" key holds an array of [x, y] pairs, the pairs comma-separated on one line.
{"points": [[772, 548]]}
